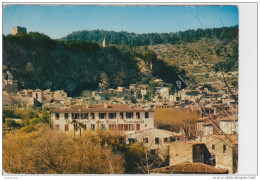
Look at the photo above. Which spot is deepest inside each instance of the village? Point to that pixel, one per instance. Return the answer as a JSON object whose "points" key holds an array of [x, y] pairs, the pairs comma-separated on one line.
{"points": [[131, 110]]}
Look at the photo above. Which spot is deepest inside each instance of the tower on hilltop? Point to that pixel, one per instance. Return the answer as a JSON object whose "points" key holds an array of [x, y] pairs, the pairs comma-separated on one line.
{"points": [[18, 29]]}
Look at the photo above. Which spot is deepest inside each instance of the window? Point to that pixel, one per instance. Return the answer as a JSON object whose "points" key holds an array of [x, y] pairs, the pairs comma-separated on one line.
{"points": [[146, 115], [137, 127], [121, 115], [129, 115], [213, 147], [131, 127], [92, 115], [224, 148], [57, 127], [125, 127], [156, 140], [57, 116], [75, 115], [120, 127], [66, 115], [145, 140], [66, 127], [138, 115], [165, 140], [102, 115], [112, 115], [84, 116], [36, 95], [172, 139], [93, 126]]}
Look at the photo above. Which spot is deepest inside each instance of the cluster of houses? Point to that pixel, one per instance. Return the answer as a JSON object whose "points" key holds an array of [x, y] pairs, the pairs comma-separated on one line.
{"points": [[214, 148], [138, 91], [28, 97]]}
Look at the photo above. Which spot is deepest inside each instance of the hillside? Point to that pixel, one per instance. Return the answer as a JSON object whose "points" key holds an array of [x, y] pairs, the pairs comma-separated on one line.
{"points": [[192, 57], [41, 62], [188, 50], [74, 66]]}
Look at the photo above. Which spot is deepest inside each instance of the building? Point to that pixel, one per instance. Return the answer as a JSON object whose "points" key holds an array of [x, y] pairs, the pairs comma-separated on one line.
{"points": [[113, 117], [165, 93], [37, 94], [18, 29], [47, 95], [32, 97], [188, 152], [223, 150], [59, 95], [229, 125], [157, 140]]}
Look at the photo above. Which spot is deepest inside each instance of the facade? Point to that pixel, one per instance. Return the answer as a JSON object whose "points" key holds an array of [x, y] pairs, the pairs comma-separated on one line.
{"points": [[60, 94], [114, 117], [47, 95], [156, 140], [37, 94], [229, 125], [224, 150], [208, 128], [18, 29], [188, 152]]}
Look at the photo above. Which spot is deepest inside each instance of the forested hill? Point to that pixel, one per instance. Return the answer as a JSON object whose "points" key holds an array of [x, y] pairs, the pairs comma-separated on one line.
{"points": [[41, 62], [126, 38]]}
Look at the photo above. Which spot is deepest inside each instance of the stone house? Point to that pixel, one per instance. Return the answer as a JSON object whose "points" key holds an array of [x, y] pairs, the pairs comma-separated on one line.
{"points": [[37, 94], [60, 94], [229, 125], [156, 140], [165, 93], [224, 151], [47, 95], [188, 152]]}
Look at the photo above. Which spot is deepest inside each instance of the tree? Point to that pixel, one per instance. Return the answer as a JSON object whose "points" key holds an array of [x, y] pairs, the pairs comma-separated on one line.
{"points": [[51, 152], [176, 120]]}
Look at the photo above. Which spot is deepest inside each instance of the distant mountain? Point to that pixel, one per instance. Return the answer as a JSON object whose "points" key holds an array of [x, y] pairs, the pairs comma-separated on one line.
{"points": [[126, 38]]}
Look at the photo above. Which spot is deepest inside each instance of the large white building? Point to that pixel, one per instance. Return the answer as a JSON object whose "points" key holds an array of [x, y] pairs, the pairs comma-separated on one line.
{"points": [[114, 117]]}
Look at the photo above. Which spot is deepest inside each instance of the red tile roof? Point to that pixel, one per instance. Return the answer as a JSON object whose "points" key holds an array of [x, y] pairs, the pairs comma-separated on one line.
{"points": [[194, 168], [229, 118], [102, 108]]}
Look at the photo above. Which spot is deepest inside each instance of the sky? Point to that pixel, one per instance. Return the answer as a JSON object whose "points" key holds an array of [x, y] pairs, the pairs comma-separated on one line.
{"points": [[59, 21]]}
